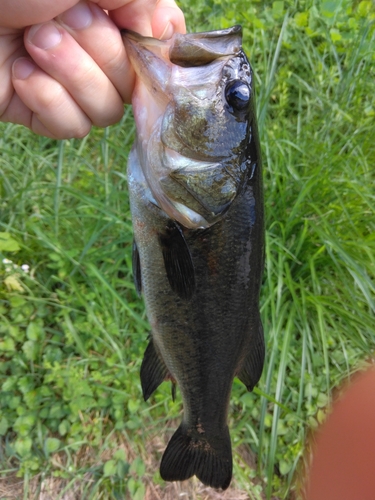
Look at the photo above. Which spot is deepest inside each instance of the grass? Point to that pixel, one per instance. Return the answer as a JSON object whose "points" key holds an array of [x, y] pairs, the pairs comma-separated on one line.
{"points": [[73, 332]]}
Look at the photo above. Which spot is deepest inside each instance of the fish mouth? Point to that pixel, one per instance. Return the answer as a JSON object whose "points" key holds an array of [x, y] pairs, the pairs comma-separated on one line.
{"points": [[155, 61], [189, 50]]}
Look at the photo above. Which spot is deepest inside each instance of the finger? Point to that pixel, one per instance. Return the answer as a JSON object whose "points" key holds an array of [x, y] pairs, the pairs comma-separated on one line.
{"points": [[19, 14], [167, 19], [56, 52], [150, 18], [44, 105], [97, 34], [11, 47], [135, 15]]}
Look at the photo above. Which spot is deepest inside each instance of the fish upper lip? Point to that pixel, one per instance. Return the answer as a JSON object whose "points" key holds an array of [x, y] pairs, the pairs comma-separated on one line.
{"points": [[189, 50], [197, 49]]}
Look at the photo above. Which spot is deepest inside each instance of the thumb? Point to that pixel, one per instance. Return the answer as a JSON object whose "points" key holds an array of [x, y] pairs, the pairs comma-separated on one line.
{"points": [[157, 18], [167, 20]]}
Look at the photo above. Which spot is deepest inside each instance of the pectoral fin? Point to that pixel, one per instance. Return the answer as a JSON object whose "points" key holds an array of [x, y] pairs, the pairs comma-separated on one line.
{"points": [[153, 370], [177, 261], [252, 366], [136, 265]]}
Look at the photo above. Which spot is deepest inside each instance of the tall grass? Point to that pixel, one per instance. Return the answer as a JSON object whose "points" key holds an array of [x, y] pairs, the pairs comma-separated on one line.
{"points": [[73, 331]]}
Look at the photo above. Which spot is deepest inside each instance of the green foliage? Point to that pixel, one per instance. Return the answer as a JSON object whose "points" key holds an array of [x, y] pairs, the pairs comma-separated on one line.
{"points": [[7, 243], [72, 330]]}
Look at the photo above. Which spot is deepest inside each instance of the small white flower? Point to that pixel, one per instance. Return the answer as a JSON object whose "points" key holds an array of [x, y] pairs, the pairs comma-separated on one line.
{"points": [[7, 261], [25, 268]]}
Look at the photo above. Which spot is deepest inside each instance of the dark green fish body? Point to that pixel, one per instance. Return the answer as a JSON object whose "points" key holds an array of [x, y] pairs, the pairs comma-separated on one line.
{"points": [[198, 227]]}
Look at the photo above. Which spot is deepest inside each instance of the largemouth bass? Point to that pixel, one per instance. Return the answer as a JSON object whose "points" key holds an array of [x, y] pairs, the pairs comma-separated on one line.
{"points": [[195, 185]]}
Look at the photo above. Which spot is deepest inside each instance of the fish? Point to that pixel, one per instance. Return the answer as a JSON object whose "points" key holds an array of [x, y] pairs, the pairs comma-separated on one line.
{"points": [[196, 198]]}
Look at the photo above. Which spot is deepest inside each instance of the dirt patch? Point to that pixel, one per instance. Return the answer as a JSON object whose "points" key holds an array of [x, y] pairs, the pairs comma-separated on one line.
{"points": [[87, 465]]}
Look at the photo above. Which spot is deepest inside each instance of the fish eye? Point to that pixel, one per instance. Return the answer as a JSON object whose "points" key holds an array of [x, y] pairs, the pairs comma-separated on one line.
{"points": [[237, 94]]}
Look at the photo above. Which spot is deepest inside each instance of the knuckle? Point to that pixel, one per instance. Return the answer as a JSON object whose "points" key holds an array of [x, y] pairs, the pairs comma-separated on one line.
{"points": [[55, 130], [114, 59], [109, 119], [76, 127], [81, 131], [61, 116], [50, 97]]}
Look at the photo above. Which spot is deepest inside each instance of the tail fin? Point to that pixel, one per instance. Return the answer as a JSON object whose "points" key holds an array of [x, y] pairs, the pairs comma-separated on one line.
{"points": [[191, 452]]}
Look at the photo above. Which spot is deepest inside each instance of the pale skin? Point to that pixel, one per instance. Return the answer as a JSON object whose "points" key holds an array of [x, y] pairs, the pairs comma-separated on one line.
{"points": [[63, 65]]}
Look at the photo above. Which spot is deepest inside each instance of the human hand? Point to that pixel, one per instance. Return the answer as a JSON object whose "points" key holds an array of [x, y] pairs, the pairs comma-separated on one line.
{"points": [[63, 65]]}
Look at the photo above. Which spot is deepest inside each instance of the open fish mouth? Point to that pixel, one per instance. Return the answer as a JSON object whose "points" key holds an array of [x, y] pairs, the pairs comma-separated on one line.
{"points": [[192, 49]]}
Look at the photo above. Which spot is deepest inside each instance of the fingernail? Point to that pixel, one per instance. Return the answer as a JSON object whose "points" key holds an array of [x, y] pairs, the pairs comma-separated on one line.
{"points": [[168, 32], [78, 17], [22, 68], [45, 36]]}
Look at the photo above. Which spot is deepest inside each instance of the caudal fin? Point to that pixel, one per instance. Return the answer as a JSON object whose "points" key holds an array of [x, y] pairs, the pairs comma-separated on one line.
{"points": [[191, 452]]}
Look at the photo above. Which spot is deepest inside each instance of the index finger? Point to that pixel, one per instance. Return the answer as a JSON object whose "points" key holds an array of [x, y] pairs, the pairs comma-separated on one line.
{"points": [[156, 18], [19, 14]]}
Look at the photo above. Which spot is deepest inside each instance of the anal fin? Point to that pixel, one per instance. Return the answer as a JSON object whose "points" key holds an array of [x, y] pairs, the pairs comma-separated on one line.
{"points": [[252, 365], [153, 370]]}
